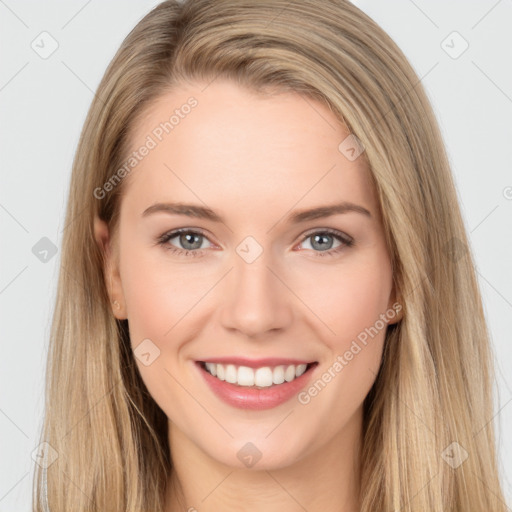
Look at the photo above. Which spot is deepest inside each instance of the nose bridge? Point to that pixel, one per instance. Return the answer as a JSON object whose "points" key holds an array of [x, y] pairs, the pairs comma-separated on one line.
{"points": [[255, 301]]}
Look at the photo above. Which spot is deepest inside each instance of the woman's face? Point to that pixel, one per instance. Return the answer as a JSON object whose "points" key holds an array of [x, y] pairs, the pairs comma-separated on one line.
{"points": [[253, 275]]}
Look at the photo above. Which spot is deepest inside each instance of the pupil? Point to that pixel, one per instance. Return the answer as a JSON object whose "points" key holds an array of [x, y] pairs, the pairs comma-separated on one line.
{"points": [[187, 238], [322, 246]]}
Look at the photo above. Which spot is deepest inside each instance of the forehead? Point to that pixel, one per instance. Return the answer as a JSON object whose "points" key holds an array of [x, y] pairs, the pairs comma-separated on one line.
{"points": [[219, 141]]}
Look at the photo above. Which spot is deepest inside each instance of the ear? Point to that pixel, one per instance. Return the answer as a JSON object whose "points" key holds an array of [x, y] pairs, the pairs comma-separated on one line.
{"points": [[395, 307], [111, 268]]}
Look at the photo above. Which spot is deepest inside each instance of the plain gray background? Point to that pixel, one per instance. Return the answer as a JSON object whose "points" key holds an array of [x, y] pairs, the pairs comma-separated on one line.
{"points": [[43, 103]]}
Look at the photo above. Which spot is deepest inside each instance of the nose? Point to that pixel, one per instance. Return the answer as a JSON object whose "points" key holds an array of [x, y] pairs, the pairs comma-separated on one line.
{"points": [[257, 301]]}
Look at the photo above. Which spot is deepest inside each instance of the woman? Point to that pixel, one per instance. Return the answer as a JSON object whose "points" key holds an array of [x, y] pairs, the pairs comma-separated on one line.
{"points": [[266, 298]]}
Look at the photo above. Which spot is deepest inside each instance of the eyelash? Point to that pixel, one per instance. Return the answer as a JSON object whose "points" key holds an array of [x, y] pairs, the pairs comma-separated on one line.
{"points": [[164, 239]]}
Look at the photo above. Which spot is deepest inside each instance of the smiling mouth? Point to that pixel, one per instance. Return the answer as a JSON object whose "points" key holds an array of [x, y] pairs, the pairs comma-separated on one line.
{"points": [[256, 378]]}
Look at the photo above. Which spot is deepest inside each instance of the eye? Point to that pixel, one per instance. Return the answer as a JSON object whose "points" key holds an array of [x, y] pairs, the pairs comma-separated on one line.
{"points": [[191, 242], [322, 241]]}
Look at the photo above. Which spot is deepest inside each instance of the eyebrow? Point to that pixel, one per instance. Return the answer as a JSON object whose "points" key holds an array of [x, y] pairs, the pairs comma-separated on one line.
{"points": [[203, 212]]}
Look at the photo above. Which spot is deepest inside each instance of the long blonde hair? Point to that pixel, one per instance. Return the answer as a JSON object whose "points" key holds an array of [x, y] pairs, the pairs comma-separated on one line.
{"points": [[434, 387]]}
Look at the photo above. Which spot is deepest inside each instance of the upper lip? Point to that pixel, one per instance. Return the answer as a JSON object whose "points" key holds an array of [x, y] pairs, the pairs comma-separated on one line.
{"points": [[255, 363]]}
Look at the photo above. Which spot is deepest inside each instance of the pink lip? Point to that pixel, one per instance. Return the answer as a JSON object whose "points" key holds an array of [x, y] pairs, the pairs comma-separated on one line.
{"points": [[254, 398], [255, 363]]}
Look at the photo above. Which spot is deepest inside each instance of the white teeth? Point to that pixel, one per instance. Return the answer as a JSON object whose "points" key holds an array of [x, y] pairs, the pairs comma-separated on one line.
{"points": [[245, 376], [301, 368], [260, 377], [289, 374], [278, 375], [212, 368], [263, 377], [230, 374]]}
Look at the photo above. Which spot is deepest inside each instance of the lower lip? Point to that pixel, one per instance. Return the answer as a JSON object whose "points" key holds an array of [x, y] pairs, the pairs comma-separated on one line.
{"points": [[252, 398]]}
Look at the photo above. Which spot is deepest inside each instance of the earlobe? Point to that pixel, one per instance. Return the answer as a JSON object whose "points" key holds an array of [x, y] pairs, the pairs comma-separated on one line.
{"points": [[110, 269], [398, 309]]}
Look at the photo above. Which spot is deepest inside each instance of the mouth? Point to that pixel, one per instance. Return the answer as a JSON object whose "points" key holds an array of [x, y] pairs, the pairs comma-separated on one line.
{"points": [[256, 385], [252, 375]]}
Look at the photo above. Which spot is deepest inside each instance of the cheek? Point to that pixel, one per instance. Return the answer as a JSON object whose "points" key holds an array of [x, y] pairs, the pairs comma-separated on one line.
{"points": [[347, 299], [158, 294], [160, 302], [359, 314], [351, 302]]}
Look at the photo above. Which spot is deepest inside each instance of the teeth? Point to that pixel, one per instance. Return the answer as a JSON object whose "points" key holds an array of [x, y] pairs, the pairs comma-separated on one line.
{"points": [[212, 368], [245, 376], [301, 368], [278, 375], [289, 374], [231, 373], [259, 377], [263, 377]]}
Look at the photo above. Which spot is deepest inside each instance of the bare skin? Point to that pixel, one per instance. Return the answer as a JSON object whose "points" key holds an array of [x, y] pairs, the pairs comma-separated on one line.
{"points": [[254, 160]]}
